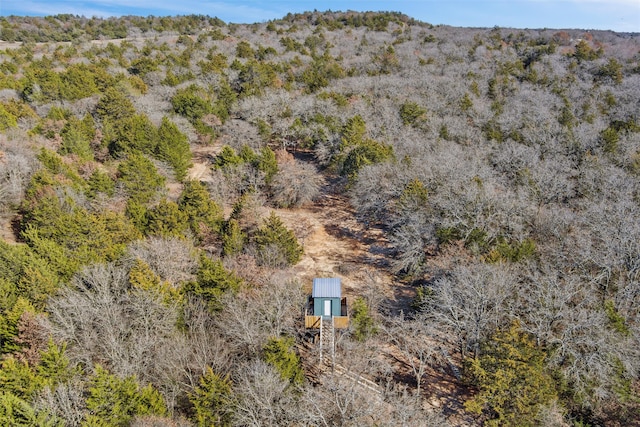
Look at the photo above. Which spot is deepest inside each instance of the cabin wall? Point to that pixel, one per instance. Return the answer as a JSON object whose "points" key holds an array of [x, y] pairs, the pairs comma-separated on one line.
{"points": [[318, 306]]}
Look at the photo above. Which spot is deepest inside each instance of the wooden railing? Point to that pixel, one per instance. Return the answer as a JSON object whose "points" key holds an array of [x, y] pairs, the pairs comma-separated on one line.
{"points": [[340, 322], [312, 322]]}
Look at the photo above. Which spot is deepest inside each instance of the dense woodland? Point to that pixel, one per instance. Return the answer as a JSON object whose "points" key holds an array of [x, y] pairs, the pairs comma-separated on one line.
{"points": [[502, 166]]}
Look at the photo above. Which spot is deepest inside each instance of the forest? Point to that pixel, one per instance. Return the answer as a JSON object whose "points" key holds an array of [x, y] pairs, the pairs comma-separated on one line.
{"points": [[169, 185]]}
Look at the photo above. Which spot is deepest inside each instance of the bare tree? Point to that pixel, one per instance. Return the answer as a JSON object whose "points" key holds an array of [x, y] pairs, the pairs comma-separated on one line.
{"points": [[408, 409], [172, 259], [567, 317], [264, 398], [251, 317], [17, 163], [349, 394], [417, 339], [295, 184], [105, 321], [412, 238], [156, 421], [471, 302], [66, 402]]}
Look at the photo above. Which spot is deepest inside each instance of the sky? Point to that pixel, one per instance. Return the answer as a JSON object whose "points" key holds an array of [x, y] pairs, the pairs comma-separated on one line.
{"points": [[616, 15]]}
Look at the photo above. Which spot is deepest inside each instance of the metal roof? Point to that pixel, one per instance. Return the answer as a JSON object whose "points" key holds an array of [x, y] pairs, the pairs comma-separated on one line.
{"points": [[326, 288]]}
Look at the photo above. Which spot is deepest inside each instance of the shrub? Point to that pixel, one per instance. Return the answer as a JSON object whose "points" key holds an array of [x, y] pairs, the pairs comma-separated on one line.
{"points": [[190, 104], [411, 113], [366, 153], [7, 120]]}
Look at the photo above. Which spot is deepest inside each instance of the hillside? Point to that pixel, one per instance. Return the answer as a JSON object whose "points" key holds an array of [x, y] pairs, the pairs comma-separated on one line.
{"points": [[169, 187]]}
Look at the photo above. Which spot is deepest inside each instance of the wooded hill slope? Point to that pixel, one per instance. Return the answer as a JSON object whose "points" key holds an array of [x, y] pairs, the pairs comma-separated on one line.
{"points": [[146, 278]]}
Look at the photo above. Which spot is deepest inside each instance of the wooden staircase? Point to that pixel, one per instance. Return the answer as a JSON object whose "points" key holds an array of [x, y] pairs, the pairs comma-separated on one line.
{"points": [[327, 339]]}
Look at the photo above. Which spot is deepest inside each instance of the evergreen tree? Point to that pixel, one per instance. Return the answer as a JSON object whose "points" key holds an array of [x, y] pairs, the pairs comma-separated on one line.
{"points": [[227, 158], [203, 213], [77, 82], [173, 148], [54, 366], [248, 155], [166, 219], [366, 153], [17, 378], [411, 113], [76, 235], [143, 278], [513, 383], [17, 412], [133, 133], [232, 238], [76, 140], [353, 132], [137, 214], [277, 245], [100, 182], [212, 400], [414, 196], [279, 352], [7, 120], [114, 401], [189, 103], [114, 106], [267, 163], [140, 178], [213, 281], [24, 274], [362, 322]]}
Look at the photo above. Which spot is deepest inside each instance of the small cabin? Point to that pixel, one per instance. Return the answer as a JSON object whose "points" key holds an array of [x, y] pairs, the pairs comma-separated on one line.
{"points": [[326, 303]]}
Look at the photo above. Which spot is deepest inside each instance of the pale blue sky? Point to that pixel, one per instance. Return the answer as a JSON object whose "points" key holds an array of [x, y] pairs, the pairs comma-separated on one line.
{"points": [[617, 15]]}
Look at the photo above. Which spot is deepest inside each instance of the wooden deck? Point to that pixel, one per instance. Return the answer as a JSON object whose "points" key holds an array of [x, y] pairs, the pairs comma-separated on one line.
{"points": [[313, 322], [339, 322]]}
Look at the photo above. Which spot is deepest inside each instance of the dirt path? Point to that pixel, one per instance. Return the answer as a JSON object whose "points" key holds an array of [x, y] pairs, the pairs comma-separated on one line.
{"points": [[203, 156], [8, 229], [337, 245]]}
